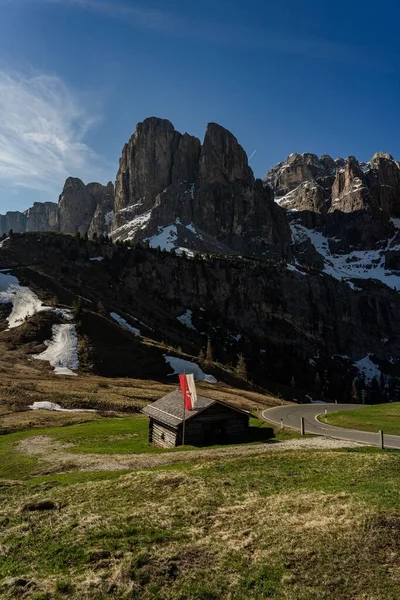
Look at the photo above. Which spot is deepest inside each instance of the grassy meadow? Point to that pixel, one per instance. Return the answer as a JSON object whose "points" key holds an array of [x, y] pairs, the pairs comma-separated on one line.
{"points": [[369, 418], [287, 525]]}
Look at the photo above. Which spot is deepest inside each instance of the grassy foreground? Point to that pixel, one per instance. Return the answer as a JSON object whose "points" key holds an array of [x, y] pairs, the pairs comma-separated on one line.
{"points": [[369, 418], [305, 525]]}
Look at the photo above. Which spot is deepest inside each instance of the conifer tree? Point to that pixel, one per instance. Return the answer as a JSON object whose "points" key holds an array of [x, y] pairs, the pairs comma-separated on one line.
{"points": [[241, 368], [209, 353]]}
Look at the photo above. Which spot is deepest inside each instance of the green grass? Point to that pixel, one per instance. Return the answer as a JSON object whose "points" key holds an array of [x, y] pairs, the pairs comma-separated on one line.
{"points": [[107, 436], [369, 418], [306, 525]]}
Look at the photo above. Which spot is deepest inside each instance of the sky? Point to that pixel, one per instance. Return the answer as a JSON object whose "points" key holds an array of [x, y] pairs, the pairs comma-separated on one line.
{"points": [[77, 75]]}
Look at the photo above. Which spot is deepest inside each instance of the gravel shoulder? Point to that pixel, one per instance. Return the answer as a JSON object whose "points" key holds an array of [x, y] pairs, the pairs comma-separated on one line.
{"points": [[54, 456]]}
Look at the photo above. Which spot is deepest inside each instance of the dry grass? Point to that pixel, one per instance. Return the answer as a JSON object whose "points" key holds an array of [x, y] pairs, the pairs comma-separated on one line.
{"points": [[285, 527], [24, 381]]}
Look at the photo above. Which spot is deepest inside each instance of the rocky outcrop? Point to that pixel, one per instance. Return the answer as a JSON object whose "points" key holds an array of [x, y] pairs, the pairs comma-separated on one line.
{"points": [[79, 204], [145, 168], [350, 192], [166, 179], [186, 160], [76, 207], [349, 202], [298, 168], [384, 181], [13, 220], [43, 216], [104, 196]]}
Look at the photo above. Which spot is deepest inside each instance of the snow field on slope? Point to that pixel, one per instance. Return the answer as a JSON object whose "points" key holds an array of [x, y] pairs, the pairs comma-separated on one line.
{"points": [[62, 350], [368, 368], [167, 238], [132, 226], [359, 264], [181, 367], [25, 302]]}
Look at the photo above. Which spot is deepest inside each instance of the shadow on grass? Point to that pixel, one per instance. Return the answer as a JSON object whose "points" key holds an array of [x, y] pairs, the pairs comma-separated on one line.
{"points": [[255, 435]]}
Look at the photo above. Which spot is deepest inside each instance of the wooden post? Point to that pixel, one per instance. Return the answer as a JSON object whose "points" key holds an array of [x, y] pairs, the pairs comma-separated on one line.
{"points": [[281, 423], [302, 428], [184, 417], [381, 440]]}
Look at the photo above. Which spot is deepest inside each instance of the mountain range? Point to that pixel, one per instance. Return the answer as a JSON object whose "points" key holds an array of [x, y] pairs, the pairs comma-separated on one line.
{"points": [[298, 272]]}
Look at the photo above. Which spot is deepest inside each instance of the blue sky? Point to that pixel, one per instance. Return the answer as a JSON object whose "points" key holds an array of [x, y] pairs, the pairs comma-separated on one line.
{"points": [[77, 75]]}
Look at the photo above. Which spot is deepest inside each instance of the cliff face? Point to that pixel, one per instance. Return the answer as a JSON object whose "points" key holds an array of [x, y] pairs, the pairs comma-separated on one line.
{"points": [[12, 220], [287, 321], [167, 180], [81, 208], [352, 205], [43, 216]]}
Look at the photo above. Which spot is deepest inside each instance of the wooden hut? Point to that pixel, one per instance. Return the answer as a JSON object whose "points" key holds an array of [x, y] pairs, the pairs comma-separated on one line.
{"points": [[211, 422]]}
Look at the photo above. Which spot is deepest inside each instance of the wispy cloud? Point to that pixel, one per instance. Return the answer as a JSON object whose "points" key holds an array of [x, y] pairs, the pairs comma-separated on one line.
{"points": [[42, 133], [269, 39]]}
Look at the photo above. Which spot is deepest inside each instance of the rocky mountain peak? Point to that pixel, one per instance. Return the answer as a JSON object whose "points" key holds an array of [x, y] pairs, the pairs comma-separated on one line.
{"points": [[222, 158], [204, 195], [145, 167], [78, 204], [297, 169]]}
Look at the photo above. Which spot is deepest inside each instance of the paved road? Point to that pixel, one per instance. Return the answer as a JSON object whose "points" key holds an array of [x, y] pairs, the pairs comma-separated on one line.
{"points": [[291, 416]]}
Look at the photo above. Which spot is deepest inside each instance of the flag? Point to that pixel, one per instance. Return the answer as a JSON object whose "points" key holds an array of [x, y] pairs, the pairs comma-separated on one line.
{"points": [[188, 391]]}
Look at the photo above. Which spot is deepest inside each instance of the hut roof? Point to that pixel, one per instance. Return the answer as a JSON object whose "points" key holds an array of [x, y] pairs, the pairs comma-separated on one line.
{"points": [[169, 409]]}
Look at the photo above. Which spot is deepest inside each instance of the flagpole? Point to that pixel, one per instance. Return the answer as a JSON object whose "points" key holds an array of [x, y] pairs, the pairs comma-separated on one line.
{"points": [[184, 415]]}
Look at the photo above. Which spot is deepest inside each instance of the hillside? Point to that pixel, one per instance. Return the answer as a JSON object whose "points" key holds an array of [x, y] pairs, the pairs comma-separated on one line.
{"points": [[300, 332]]}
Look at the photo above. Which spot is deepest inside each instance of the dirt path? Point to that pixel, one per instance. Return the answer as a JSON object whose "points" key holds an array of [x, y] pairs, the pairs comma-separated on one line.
{"points": [[55, 457]]}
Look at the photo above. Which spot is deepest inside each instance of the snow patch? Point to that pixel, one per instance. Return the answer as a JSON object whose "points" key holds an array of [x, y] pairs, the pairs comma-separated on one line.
{"points": [[2, 242], [165, 239], [97, 258], [129, 229], [368, 368], [359, 264], [57, 407], [294, 268], [107, 218], [124, 324], [25, 302], [186, 319], [181, 366], [62, 350]]}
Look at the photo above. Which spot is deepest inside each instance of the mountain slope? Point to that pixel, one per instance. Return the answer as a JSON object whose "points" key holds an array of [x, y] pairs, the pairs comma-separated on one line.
{"points": [[295, 326]]}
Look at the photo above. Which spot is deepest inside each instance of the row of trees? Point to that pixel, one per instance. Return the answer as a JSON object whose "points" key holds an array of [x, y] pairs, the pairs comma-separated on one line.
{"points": [[206, 358]]}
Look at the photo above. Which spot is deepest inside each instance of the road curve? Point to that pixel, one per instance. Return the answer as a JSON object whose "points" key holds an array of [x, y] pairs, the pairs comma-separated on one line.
{"points": [[292, 414]]}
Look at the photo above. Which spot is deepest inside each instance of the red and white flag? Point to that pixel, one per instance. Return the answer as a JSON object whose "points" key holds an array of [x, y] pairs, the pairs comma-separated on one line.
{"points": [[189, 391]]}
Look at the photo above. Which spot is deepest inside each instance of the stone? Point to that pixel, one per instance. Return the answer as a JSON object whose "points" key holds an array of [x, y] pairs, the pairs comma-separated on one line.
{"points": [[386, 182], [41, 505], [76, 205], [14, 220], [43, 216], [145, 167]]}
